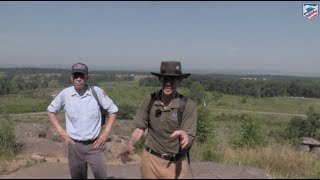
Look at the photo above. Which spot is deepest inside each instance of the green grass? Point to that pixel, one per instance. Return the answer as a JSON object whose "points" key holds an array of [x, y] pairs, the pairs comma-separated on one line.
{"points": [[6, 139], [292, 105], [23, 104], [127, 92], [279, 160]]}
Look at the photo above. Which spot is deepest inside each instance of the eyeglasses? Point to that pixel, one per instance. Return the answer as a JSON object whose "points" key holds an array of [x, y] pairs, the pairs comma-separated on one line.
{"points": [[78, 75]]}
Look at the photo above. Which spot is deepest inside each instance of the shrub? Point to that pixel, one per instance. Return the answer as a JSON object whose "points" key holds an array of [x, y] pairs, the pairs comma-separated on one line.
{"points": [[300, 127], [7, 137], [243, 100], [296, 128], [204, 124], [250, 133], [126, 111]]}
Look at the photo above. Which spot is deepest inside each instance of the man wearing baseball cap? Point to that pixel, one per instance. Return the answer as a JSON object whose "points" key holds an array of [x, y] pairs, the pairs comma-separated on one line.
{"points": [[84, 133]]}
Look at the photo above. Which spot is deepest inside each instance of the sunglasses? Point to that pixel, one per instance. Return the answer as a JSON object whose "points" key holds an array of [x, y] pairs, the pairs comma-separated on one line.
{"points": [[171, 79], [78, 75]]}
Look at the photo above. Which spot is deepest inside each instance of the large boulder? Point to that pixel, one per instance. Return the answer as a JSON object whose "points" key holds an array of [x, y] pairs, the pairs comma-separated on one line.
{"points": [[309, 141]]}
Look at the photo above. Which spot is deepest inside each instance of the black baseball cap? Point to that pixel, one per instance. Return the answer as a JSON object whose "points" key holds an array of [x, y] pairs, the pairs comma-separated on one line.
{"points": [[80, 67]]}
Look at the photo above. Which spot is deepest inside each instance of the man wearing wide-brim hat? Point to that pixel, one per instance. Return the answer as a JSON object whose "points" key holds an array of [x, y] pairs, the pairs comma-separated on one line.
{"points": [[171, 120]]}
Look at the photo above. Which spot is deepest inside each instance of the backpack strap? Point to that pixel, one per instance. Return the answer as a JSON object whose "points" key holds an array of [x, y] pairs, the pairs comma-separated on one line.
{"points": [[183, 102], [95, 95], [153, 98], [103, 116]]}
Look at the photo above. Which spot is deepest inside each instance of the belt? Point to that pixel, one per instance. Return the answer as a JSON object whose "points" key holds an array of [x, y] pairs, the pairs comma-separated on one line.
{"points": [[86, 141], [168, 157]]}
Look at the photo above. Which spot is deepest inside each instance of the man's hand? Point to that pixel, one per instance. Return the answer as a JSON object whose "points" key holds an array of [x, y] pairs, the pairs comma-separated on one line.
{"points": [[65, 136], [63, 133], [184, 138], [125, 152], [100, 141]]}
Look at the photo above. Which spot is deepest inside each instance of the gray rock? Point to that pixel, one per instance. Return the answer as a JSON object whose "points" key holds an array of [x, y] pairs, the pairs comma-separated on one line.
{"points": [[309, 141], [304, 148]]}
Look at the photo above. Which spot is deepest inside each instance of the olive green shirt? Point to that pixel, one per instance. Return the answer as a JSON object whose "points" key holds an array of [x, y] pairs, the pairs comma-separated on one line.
{"points": [[158, 137]]}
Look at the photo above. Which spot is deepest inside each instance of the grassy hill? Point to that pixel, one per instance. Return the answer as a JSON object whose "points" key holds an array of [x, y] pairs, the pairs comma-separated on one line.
{"points": [[279, 158]]}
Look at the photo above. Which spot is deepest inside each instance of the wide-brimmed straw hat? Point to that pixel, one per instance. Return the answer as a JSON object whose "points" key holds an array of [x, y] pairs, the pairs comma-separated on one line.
{"points": [[171, 68]]}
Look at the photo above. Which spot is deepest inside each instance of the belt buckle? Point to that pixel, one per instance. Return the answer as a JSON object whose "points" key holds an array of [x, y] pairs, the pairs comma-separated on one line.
{"points": [[168, 155]]}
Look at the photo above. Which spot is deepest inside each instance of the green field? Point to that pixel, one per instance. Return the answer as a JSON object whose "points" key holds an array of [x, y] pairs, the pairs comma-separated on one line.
{"points": [[1, 73], [126, 92], [279, 160], [293, 105], [130, 93]]}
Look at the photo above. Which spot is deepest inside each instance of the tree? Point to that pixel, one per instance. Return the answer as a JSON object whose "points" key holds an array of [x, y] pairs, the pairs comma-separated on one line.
{"points": [[5, 84], [217, 96], [204, 124], [299, 127], [313, 122], [197, 92], [295, 88]]}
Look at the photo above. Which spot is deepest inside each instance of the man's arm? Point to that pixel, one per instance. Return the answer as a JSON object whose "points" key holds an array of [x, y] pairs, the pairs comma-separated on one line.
{"points": [[128, 148], [104, 135], [53, 118]]}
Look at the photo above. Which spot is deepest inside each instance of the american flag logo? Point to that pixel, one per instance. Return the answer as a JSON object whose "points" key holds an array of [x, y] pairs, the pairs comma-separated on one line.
{"points": [[310, 10]]}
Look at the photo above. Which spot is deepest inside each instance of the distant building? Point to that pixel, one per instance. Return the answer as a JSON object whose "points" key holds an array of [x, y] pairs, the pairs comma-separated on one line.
{"points": [[252, 79]]}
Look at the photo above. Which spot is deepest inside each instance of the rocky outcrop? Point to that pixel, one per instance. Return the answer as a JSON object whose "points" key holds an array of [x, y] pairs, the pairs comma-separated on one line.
{"points": [[307, 144], [42, 144]]}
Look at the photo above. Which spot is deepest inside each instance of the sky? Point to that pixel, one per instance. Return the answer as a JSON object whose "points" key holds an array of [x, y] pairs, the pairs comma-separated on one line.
{"points": [[265, 36]]}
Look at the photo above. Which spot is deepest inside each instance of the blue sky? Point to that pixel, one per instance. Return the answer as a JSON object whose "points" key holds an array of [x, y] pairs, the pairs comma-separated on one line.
{"points": [[210, 35]]}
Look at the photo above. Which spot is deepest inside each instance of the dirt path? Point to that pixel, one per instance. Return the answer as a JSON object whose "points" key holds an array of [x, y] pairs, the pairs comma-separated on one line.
{"points": [[200, 170], [218, 110]]}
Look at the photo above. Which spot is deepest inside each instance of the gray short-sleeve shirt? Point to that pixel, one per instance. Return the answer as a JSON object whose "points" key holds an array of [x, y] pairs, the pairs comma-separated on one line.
{"points": [[161, 127]]}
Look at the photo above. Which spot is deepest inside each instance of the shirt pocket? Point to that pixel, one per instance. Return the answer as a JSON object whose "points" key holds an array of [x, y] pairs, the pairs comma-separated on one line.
{"points": [[172, 122]]}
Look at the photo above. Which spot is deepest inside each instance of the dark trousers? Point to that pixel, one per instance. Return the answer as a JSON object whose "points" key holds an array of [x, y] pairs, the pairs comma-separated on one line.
{"points": [[80, 155]]}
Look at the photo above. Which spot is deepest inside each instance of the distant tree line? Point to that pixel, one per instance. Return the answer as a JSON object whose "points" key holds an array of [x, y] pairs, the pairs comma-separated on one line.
{"points": [[15, 80], [255, 86]]}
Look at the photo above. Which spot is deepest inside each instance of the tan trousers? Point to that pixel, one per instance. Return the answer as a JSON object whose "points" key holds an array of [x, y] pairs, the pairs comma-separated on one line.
{"points": [[153, 167]]}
